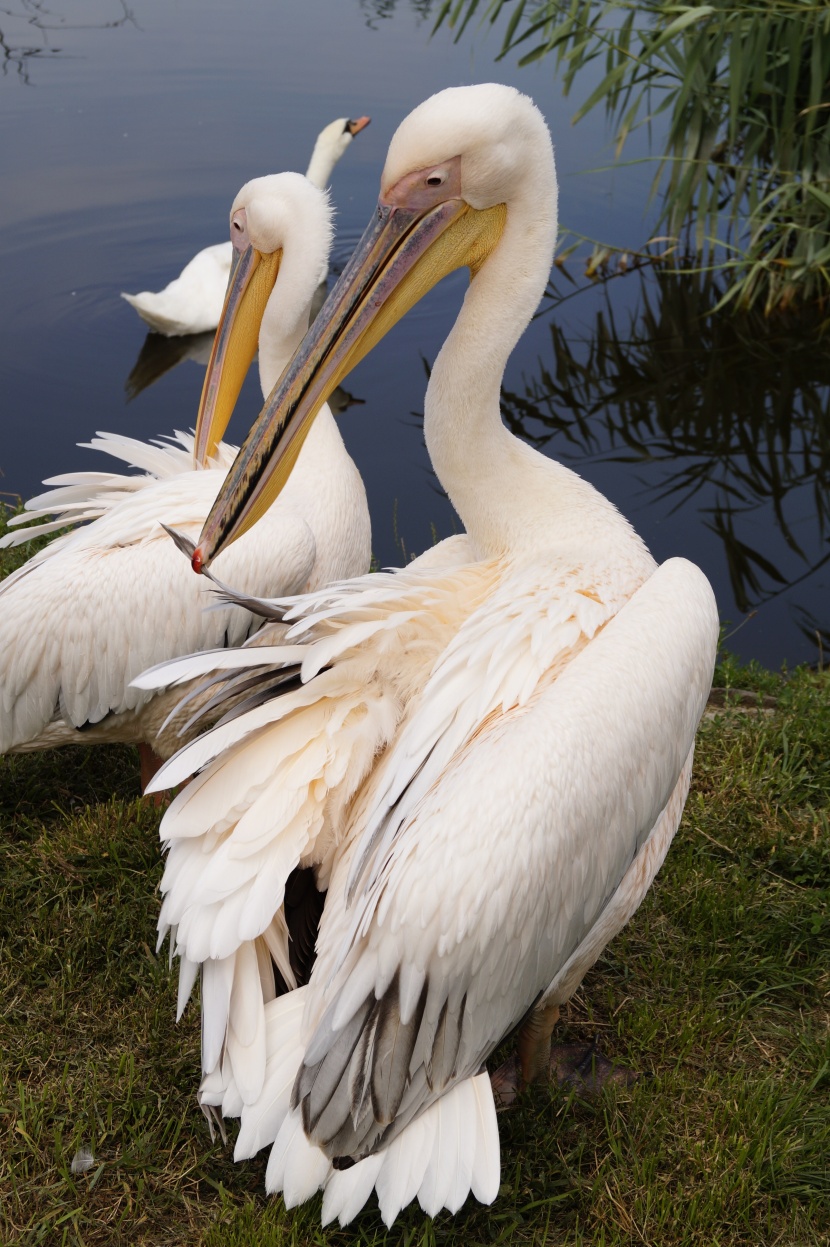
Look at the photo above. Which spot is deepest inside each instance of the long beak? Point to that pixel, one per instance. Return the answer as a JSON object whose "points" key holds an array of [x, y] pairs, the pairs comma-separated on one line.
{"points": [[253, 276], [403, 254]]}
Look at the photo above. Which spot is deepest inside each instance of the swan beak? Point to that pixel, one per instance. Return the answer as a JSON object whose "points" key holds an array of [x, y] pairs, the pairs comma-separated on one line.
{"points": [[252, 278], [407, 248], [360, 123]]}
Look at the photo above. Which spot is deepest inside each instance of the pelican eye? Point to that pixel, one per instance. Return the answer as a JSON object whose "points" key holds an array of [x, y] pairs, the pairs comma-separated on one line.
{"points": [[239, 229], [436, 179]]}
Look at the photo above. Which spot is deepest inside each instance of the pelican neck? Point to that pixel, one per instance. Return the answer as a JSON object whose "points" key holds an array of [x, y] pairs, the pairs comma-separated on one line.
{"points": [[509, 496]]}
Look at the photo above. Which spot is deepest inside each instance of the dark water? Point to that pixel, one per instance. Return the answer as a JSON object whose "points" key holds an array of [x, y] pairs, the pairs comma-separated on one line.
{"points": [[126, 132]]}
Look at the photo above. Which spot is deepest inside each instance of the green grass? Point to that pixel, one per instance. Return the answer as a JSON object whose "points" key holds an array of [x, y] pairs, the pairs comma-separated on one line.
{"points": [[718, 991]]}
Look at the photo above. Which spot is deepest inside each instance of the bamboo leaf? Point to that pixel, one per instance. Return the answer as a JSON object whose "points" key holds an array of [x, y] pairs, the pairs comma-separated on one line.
{"points": [[820, 195], [516, 17], [746, 158], [599, 92], [471, 8], [687, 18]]}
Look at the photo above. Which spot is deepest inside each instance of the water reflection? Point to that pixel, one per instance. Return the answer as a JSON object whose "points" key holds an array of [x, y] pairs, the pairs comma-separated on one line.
{"points": [[734, 408], [102, 193], [29, 26], [375, 11], [159, 355]]}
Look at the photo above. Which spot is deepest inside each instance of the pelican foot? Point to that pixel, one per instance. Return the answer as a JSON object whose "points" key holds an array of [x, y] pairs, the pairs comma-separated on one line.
{"points": [[506, 1082], [586, 1069], [582, 1067], [150, 763]]}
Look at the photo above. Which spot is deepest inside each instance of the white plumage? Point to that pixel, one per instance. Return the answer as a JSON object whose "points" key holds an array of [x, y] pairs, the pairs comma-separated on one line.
{"points": [[99, 604], [192, 302], [487, 753]]}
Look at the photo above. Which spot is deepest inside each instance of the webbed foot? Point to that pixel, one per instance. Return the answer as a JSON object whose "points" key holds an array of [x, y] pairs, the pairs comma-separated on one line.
{"points": [[586, 1069]]}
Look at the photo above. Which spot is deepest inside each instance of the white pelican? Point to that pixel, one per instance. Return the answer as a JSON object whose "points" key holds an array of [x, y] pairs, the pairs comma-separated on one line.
{"points": [[97, 605], [192, 302], [486, 754]]}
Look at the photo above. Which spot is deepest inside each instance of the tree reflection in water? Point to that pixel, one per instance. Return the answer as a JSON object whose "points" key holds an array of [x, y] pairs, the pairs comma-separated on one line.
{"points": [[29, 26], [375, 11], [737, 403]]}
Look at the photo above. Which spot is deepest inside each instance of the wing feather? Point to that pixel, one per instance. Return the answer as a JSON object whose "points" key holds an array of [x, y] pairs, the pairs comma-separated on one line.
{"points": [[503, 918], [86, 614]]}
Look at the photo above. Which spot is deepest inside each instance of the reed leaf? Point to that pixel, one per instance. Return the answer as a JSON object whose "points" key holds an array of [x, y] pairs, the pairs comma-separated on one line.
{"points": [[745, 89]]}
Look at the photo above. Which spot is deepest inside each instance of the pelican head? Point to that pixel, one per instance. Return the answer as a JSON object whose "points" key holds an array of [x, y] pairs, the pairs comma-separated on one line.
{"points": [[467, 164], [275, 222]]}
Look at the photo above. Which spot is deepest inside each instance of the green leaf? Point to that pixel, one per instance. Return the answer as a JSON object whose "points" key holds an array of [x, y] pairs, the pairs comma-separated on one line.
{"points": [[687, 18], [821, 196]]}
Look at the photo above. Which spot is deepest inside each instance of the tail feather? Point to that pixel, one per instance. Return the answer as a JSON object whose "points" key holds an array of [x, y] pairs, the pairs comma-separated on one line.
{"points": [[437, 1186], [403, 1169], [232, 1102], [146, 304], [245, 1038], [212, 1088], [237, 992], [348, 1189], [462, 1146], [259, 1128], [486, 1173], [217, 982], [261, 1121], [449, 1150], [306, 1170], [188, 970], [219, 1096], [295, 1166]]}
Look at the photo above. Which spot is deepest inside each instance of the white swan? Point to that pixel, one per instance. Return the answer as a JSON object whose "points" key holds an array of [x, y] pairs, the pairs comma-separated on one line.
{"points": [[97, 605], [488, 754], [192, 302]]}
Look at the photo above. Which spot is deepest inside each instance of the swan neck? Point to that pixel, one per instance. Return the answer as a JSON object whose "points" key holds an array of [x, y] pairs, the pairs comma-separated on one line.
{"points": [[323, 159]]}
